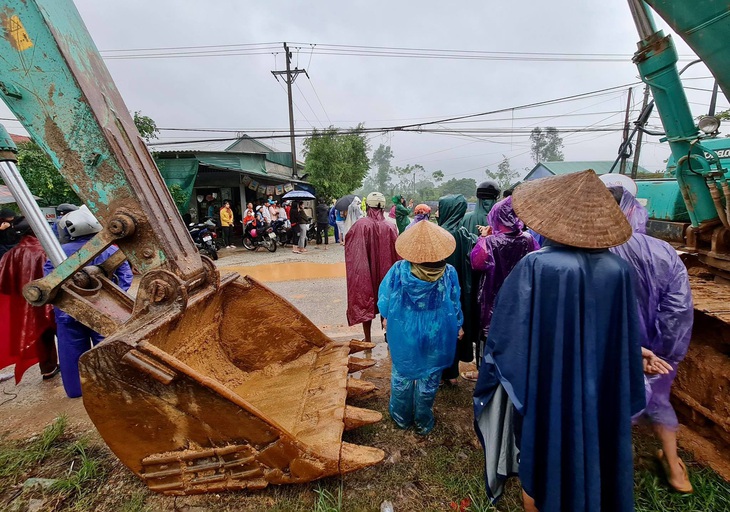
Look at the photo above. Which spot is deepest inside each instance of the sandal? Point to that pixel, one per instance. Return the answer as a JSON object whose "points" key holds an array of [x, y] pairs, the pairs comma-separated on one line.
{"points": [[684, 487], [52, 373], [471, 376]]}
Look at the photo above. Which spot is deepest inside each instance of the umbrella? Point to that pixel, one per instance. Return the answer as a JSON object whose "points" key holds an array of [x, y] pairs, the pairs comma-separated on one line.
{"points": [[6, 197], [343, 203], [298, 194]]}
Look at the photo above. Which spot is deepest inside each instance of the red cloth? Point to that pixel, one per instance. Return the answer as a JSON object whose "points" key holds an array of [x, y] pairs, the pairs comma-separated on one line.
{"points": [[21, 325], [369, 254]]}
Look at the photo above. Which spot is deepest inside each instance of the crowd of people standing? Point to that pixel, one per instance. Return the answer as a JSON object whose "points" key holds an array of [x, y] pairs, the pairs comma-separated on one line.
{"points": [[577, 329], [576, 318]]}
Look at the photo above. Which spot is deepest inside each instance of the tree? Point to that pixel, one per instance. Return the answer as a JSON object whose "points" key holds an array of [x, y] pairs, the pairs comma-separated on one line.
{"points": [[336, 163], [381, 163], [438, 176], [504, 175], [465, 186], [546, 146], [42, 177], [146, 126]]}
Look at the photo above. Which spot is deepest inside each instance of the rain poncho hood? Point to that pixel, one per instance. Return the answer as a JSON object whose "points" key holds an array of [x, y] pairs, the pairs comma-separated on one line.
{"points": [[451, 213], [479, 216], [354, 213], [496, 255], [635, 213], [21, 325], [369, 254], [423, 319], [666, 312], [564, 345]]}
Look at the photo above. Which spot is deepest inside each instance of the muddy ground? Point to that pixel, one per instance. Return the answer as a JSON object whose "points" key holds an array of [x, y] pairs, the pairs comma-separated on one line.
{"points": [[442, 471]]}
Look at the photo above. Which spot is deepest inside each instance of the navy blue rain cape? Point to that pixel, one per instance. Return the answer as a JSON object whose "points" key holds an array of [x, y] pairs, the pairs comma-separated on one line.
{"points": [[564, 345]]}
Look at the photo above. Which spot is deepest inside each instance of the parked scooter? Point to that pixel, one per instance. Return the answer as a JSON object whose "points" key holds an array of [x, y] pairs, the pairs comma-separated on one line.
{"points": [[203, 236], [256, 234]]}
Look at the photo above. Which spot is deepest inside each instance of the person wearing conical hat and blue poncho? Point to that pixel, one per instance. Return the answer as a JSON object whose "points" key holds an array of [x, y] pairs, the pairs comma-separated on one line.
{"points": [[562, 376], [419, 303]]}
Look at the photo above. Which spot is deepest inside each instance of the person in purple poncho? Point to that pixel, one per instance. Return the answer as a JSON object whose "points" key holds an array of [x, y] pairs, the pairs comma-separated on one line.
{"points": [[501, 245], [666, 316]]}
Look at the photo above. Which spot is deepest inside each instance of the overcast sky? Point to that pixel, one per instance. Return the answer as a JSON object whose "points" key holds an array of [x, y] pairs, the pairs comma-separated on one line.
{"points": [[239, 92]]}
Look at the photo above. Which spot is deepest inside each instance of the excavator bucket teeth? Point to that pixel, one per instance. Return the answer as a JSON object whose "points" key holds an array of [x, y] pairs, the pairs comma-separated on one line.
{"points": [[360, 346], [193, 402], [359, 387], [356, 417], [354, 457], [357, 364]]}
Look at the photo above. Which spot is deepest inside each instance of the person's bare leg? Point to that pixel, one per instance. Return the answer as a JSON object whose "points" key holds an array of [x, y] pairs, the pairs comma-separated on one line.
{"points": [[528, 502], [668, 437], [366, 328]]}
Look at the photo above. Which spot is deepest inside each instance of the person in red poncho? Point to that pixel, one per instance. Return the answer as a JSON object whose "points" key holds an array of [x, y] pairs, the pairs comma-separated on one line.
{"points": [[369, 254], [26, 332]]}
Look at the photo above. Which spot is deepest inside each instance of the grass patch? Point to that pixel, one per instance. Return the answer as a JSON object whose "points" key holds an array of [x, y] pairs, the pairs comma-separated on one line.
{"points": [[327, 501], [16, 459], [440, 472]]}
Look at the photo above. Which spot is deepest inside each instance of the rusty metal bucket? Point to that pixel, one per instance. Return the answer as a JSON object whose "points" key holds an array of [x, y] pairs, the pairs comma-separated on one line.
{"points": [[236, 390]]}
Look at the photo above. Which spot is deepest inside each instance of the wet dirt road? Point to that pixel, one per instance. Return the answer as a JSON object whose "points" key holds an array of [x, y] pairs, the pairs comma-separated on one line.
{"points": [[314, 282]]}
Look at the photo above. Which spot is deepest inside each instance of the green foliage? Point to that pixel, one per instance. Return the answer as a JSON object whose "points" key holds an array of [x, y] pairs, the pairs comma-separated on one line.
{"points": [[327, 501], [464, 186], [438, 176], [381, 163], [336, 163], [85, 473], [504, 175], [179, 196], [546, 146], [42, 177], [14, 460], [146, 126]]}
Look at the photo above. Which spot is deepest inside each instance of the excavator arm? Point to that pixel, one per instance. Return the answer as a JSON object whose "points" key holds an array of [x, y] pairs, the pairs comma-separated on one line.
{"points": [[206, 382]]}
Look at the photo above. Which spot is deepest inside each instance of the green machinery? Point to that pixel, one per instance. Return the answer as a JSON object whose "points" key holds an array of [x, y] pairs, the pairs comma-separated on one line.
{"points": [[701, 180]]}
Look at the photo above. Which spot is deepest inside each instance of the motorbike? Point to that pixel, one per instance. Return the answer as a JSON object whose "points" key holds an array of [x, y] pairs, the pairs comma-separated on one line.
{"points": [[256, 234], [203, 235], [288, 236]]}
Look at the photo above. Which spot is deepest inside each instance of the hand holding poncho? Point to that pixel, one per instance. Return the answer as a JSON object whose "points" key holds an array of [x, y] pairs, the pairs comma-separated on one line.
{"points": [[423, 319]]}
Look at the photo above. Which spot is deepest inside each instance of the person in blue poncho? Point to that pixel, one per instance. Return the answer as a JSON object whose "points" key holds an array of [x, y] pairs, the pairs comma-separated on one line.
{"points": [[419, 303], [562, 373], [74, 338]]}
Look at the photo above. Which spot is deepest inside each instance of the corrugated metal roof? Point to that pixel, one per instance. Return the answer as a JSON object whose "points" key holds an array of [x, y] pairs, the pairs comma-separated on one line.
{"points": [[600, 166], [191, 147]]}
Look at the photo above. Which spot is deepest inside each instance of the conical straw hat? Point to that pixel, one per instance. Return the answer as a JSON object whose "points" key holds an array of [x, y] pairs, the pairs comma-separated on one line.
{"points": [[425, 242], [573, 209]]}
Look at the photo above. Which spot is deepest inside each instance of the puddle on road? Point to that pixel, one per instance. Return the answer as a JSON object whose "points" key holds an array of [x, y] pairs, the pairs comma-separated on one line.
{"points": [[274, 272]]}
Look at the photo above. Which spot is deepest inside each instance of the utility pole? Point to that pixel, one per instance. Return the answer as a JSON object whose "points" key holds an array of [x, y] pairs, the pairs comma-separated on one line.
{"points": [[635, 164], [289, 76], [625, 143]]}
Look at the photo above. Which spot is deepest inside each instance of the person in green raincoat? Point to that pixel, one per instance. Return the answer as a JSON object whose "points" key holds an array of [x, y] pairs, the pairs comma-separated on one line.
{"points": [[401, 213], [487, 194], [451, 215]]}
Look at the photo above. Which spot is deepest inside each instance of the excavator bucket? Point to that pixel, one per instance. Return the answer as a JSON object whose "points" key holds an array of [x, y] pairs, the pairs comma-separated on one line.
{"points": [[239, 391], [205, 382]]}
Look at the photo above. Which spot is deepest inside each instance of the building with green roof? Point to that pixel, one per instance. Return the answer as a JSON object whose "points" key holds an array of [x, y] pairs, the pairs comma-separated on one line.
{"points": [[545, 169]]}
